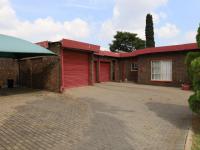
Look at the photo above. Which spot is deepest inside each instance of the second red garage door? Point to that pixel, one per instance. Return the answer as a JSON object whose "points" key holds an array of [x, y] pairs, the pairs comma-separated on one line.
{"points": [[75, 69], [105, 71]]}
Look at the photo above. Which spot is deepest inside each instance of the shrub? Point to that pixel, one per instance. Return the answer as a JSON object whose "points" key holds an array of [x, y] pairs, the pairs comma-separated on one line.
{"points": [[193, 68], [194, 102], [189, 58]]}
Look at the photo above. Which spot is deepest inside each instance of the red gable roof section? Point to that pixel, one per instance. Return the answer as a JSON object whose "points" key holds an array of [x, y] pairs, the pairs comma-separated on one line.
{"points": [[79, 45], [164, 49], [107, 53], [96, 49], [44, 44]]}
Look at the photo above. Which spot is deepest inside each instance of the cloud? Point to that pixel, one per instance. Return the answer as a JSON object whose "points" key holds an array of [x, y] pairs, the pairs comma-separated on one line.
{"points": [[190, 36], [129, 15], [41, 28], [167, 31], [171, 38]]}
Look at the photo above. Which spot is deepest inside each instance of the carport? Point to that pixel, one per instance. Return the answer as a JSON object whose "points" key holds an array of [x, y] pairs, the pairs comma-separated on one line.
{"points": [[18, 49]]}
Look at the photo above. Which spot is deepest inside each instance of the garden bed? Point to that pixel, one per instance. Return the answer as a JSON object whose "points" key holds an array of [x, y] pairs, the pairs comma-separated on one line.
{"points": [[196, 136]]}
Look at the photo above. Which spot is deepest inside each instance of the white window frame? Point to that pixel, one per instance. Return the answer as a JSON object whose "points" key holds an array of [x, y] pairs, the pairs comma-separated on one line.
{"points": [[160, 73], [134, 67]]}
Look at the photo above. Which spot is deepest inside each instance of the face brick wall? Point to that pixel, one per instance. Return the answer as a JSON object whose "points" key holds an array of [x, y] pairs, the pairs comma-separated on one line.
{"points": [[128, 74], [8, 70], [179, 73], [42, 73]]}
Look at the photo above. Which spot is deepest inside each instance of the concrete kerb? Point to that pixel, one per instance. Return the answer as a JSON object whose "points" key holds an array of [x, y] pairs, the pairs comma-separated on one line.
{"points": [[188, 142]]}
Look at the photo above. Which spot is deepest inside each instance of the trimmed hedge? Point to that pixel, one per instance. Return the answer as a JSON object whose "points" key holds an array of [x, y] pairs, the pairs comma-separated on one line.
{"points": [[191, 56], [194, 103]]}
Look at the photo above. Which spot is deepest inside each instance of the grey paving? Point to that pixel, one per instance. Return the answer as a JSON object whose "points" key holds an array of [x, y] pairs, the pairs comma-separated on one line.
{"points": [[110, 116]]}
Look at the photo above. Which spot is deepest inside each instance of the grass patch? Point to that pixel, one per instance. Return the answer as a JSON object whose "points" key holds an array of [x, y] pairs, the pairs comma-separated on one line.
{"points": [[196, 136]]}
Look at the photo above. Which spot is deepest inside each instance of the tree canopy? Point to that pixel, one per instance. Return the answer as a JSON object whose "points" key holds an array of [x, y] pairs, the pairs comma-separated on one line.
{"points": [[127, 42], [193, 67], [149, 31], [198, 37]]}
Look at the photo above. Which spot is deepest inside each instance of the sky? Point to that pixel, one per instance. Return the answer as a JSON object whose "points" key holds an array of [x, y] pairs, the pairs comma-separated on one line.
{"points": [[96, 21]]}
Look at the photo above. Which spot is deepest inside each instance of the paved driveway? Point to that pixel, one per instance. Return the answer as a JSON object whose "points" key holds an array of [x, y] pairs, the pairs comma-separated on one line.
{"points": [[110, 116]]}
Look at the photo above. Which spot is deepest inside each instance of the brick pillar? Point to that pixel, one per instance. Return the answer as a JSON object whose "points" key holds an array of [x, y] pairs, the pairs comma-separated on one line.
{"points": [[117, 71], [98, 70], [91, 70], [111, 70]]}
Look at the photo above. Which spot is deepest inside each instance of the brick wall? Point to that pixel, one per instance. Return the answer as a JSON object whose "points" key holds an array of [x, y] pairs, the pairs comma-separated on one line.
{"points": [[125, 70], [179, 73], [8, 70], [43, 72]]}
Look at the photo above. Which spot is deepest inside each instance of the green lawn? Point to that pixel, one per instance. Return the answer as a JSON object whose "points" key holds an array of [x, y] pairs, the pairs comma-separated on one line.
{"points": [[196, 136]]}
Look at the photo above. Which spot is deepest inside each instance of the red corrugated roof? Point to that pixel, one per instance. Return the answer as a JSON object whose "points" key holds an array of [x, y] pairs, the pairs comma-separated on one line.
{"points": [[44, 44], [66, 43], [163, 49], [107, 53]]}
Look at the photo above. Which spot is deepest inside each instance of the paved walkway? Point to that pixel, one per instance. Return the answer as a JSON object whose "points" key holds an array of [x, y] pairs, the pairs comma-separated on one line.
{"points": [[111, 116]]}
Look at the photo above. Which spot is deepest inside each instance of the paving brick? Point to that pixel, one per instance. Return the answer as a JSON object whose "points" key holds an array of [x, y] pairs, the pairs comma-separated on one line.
{"points": [[111, 116]]}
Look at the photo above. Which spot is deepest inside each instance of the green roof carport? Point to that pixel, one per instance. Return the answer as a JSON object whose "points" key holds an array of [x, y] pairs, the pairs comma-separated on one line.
{"points": [[15, 48], [12, 47]]}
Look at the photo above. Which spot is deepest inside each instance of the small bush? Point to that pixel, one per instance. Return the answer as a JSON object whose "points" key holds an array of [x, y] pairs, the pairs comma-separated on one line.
{"points": [[194, 102], [189, 58], [193, 68]]}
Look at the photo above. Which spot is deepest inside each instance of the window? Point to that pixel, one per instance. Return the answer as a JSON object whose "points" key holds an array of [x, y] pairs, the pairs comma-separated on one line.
{"points": [[134, 67], [161, 70]]}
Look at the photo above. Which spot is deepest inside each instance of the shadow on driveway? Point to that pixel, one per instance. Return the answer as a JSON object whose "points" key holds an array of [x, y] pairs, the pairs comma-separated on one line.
{"points": [[105, 132], [177, 115], [16, 91]]}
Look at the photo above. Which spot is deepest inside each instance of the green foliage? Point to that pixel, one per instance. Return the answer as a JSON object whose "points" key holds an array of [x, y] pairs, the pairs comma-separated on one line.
{"points": [[194, 102], [198, 37], [149, 31], [193, 64], [193, 67], [189, 58], [127, 42]]}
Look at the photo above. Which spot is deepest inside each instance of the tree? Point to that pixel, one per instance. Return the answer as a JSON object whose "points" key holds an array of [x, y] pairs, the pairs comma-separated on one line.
{"points": [[188, 61], [198, 37], [149, 31], [193, 67], [127, 42]]}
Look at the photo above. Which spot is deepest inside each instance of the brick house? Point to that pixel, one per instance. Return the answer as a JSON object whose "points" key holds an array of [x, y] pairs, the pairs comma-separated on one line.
{"points": [[73, 67], [163, 66], [80, 64]]}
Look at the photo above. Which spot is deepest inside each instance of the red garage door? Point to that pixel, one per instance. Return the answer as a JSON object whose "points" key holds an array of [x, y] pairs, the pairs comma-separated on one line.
{"points": [[75, 69], [104, 71]]}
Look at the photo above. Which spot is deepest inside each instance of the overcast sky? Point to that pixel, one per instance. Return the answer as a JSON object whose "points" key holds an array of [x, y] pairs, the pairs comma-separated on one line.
{"points": [[96, 21]]}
